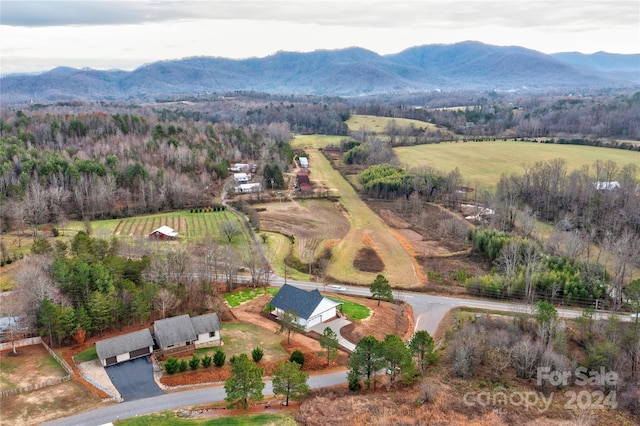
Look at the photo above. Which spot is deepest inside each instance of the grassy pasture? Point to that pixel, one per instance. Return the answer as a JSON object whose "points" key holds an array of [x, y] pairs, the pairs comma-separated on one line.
{"points": [[484, 162], [315, 141], [366, 229], [190, 226], [376, 124]]}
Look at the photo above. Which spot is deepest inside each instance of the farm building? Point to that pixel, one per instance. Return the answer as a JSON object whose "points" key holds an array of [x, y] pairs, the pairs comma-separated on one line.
{"points": [[303, 183], [311, 307], [239, 167], [241, 177], [247, 188], [606, 186], [163, 233], [184, 334], [125, 347], [304, 162]]}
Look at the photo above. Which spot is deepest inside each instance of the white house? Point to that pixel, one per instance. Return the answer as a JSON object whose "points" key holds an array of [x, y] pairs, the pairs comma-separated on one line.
{"points": [[304, 162], [608, 186], [125, 347], [241, 177], [239, 167], [310, 306], [247, 188]]}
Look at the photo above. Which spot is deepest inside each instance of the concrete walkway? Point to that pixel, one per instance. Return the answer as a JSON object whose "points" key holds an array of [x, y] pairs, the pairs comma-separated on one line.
{"points": [[336, 325]]}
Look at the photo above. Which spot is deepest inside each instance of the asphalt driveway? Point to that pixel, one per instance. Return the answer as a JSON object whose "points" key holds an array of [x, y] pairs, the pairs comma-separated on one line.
{"points": [[134, 379]]}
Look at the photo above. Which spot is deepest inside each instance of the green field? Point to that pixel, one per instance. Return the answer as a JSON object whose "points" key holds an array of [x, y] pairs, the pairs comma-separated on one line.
{"points": [[315, 141], [190, 226], [376, 124], [484, 162]]}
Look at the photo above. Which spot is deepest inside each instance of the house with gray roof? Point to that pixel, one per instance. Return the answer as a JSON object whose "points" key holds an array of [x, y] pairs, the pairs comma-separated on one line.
{"points": [[207, 330], [183, 334], [174, 332], [125, 347], [311, 307]]}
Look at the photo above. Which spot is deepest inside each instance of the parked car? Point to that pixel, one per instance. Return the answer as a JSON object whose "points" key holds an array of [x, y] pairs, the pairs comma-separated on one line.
{"points": [[336, 287]]}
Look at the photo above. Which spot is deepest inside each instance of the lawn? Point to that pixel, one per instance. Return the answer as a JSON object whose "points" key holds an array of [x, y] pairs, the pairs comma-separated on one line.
{"points": [[86, 355], [355, 311], [169, 418], [239, 297], [242, 338], [484, 162]]}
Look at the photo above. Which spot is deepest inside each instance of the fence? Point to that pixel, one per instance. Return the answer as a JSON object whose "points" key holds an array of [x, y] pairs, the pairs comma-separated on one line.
{"points": [[35, 386]]}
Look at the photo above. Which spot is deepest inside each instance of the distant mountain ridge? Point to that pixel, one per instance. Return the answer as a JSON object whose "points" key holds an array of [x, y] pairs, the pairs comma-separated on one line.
{"points": [[346, 72]]}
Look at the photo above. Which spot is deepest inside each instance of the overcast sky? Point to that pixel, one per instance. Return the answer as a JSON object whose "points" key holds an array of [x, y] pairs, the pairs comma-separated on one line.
{"points": [[37, 35]]}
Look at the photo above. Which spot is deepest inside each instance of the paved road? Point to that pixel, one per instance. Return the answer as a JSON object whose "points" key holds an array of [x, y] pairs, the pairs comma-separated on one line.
{"points": [[429, 311]]}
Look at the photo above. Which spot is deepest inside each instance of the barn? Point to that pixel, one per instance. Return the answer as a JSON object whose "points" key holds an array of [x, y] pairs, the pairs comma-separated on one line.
{"points": [[125, 347], [311, 307], [163, 233]]}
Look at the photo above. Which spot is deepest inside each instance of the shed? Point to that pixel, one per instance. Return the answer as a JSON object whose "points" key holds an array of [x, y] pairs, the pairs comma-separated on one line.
{"points": [[311, 307], [304, 162], [125, 347]]}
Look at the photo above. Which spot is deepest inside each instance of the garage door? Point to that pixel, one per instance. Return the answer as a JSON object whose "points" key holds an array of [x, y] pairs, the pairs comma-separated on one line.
{"points": [[111, 361], [314, 321], [138, 352]]}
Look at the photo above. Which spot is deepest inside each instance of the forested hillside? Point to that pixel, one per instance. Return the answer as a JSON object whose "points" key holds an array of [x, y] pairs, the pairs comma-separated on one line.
{"points": [[87, 161]]}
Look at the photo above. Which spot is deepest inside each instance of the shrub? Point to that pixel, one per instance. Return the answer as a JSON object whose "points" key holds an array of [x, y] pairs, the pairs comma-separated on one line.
{"points": [[257, 354], [354, 381], [182, 366], [194, 362], [171, 366], [206, 361], [219, 357], [297, 356]]}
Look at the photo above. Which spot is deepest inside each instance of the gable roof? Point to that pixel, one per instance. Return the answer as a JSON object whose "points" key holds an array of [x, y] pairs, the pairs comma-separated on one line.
{"points": [[171, 331], [124, 343], [302, 302], [205, 323], [164, 229]]}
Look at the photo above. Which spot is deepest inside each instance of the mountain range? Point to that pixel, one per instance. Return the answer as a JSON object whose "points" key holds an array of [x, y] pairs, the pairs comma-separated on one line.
{"points": [[345, 72]]}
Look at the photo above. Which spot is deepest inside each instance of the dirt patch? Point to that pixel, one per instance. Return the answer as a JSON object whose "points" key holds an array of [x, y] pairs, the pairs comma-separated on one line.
{"points": [[388, 318], [35, 408], [367, 260], [32, 365], [310, 221]]}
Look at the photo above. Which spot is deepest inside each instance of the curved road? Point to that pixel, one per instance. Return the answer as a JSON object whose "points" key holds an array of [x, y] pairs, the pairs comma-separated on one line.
{"points": [[428, 310]]}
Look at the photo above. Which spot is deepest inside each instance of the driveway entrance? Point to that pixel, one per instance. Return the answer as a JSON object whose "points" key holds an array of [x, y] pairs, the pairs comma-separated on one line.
{"points": [[134, 379]]}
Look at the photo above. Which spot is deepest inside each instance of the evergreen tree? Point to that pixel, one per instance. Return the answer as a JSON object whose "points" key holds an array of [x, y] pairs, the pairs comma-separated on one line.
{"points": [[329, 341], [245, 382], [367, 359], [381, 289], [289, 381]]}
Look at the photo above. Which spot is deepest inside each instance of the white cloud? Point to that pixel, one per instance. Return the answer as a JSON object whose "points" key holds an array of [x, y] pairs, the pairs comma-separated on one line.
{"points": [[39, 35]]}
